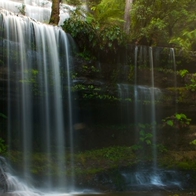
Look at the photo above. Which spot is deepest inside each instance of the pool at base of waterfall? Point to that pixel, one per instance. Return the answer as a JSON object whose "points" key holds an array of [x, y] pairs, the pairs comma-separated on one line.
{"points": [[135, 193]]}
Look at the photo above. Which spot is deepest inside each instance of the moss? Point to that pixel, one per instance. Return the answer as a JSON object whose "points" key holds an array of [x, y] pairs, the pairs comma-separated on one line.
{"points": [[88, 164], [184, 165], [179, 160], [98, 160], [182, 93]]}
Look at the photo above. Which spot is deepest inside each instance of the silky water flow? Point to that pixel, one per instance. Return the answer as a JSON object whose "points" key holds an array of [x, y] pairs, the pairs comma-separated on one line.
{"points": [[38, 64], [139, 103]]}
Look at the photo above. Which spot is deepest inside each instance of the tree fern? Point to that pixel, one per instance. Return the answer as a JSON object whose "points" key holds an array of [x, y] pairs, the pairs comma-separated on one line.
{"points": [[109, 12]]}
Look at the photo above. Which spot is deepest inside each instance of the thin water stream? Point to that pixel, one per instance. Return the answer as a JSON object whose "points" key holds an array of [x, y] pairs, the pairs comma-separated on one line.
{"points": [[40, 110], [37, 58]]}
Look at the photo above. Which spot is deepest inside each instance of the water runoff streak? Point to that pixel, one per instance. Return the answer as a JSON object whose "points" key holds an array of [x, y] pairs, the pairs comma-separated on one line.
{"points": [[39, 96], [153, 114], [143, 102]]}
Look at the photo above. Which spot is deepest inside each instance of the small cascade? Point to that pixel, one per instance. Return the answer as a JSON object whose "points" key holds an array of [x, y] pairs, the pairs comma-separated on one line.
{"points": [[141, 96], [150, 96], [40, 114], [138, 103], [39, 10], [146, 179], [173, 62]]}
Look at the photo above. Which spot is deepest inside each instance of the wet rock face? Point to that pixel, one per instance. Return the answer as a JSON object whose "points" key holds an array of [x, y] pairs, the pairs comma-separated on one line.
{"points": [[3, 176]]}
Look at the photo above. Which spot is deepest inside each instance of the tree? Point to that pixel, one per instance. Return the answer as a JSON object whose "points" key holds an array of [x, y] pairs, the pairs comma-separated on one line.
{"points": [[100, 32], [127, 15], [54, 18], [157, 22], [108, 12], [185, 33]]}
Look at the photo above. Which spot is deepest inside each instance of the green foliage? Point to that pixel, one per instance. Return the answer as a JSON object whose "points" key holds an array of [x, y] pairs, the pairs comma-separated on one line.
{"points": [[160, 19], [192, 85], [183, 72], [85, 55], [186, 40], [178, 120], [90, 37], [82, 31], [3, 147], [81, 87], [145, 136], [113, 153], [161, 148], [186, 165], [89, 70], [73, 2], [21, 9], [3, 115], [111, 37], [102, 26], [193, 142], [109, 12], [100, 30]]}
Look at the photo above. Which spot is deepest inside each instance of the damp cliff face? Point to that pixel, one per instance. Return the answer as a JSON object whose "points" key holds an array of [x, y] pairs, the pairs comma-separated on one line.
{"points": [[56, 108], [99, 86], [96, 86]]}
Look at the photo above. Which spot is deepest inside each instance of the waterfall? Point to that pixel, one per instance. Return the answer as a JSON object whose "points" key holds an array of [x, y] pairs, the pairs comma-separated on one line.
{"points": [[153, 112], [39, 10], [140, 107], [173, 62], [40, 114]]}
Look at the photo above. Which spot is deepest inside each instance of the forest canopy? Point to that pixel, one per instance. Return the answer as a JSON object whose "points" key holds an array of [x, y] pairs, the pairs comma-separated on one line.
{"points": [[168, 23]]}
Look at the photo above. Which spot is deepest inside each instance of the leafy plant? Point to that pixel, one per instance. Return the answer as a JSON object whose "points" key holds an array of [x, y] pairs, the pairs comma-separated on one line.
{"points": [[108, 12], [3, 147], [162, 19], [193, 142], [178, 120], [22, 9], [183, 72], [145, 137], [161, 148], [185, 40], [192, 85], [99, 32]]}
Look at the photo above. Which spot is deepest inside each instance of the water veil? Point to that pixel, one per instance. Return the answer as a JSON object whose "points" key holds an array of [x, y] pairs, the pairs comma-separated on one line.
{"points": [[40, 117]]}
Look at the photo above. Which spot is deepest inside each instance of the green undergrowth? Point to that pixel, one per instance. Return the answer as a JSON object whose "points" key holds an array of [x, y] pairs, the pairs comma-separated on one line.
{"points": [[92, 162], [105, 158], [182, 160], [87, 162]]}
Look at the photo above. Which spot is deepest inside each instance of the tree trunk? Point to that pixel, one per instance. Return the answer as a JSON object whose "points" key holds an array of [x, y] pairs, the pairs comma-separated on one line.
{"points": [[127, 15], [54, 18]]}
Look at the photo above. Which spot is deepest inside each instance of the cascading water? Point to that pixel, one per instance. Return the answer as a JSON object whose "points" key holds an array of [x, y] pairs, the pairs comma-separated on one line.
{"points": [[142, 99], [173, 61], [39, 98], [39, 10], [40, 104], [153, 113], [141, 103]]}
